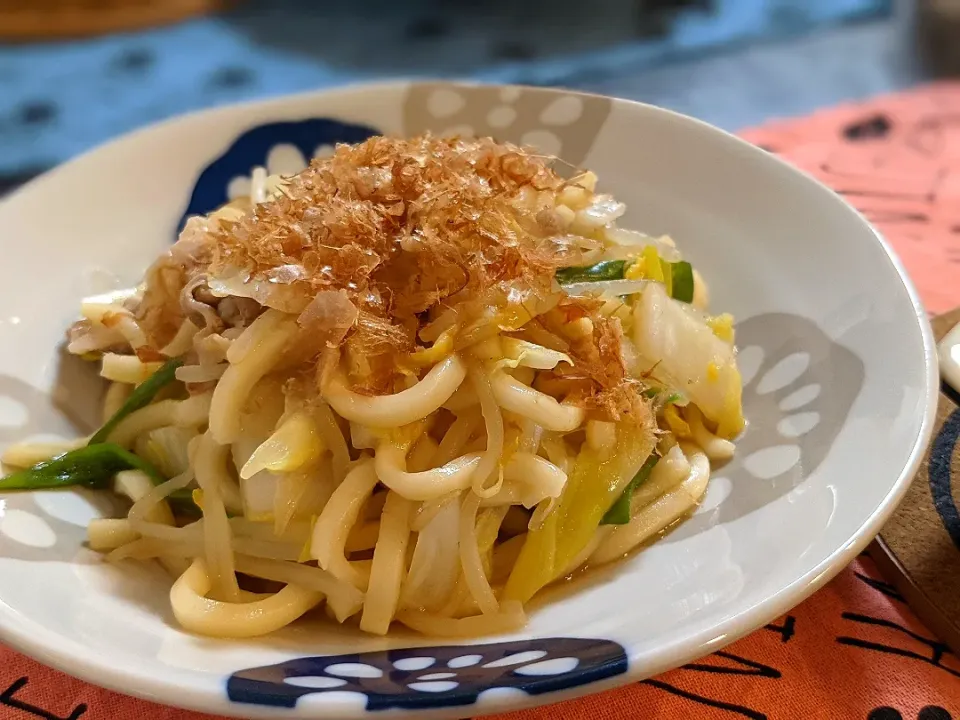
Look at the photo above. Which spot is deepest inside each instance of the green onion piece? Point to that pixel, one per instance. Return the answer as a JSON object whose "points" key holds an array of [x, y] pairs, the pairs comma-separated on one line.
{"points": [[619, 512], [682, 276], [142, 396], [92, 466], [606, 270]]}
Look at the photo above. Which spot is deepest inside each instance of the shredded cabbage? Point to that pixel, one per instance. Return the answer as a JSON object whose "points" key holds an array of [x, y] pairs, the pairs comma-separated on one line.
{"points": [[167, 448], [295, 444], [681, 350]]}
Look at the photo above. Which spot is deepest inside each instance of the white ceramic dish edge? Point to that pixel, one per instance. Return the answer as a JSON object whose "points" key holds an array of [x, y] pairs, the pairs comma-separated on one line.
{"points": [[772, 607]]}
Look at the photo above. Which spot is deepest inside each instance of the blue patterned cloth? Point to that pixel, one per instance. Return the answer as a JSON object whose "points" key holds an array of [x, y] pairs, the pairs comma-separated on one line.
{"points": [[59, 99]]}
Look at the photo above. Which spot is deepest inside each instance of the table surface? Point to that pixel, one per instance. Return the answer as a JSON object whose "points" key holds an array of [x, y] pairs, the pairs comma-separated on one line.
{"points": [[788, 78], [744, 86]]}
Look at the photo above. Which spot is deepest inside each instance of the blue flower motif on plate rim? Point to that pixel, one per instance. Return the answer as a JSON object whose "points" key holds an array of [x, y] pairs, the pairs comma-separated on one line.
{"points": [[253, 147], [419, 678]]}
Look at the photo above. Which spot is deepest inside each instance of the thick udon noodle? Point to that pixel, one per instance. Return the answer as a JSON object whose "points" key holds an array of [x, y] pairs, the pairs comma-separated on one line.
{"points": [[414, 506]]}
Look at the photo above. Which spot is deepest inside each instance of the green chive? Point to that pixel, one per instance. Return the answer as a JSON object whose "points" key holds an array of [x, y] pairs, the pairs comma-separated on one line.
{"points": [[142, 396], [92, 466], [682, 285], [606, 270], [619, 513]]}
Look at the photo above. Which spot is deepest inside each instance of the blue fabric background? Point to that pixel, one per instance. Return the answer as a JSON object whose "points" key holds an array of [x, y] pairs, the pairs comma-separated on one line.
{"points": [[59, 99]]}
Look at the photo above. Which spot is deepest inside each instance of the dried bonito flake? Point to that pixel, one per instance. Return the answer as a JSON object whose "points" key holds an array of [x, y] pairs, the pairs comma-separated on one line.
{"points": [[371, 245]]}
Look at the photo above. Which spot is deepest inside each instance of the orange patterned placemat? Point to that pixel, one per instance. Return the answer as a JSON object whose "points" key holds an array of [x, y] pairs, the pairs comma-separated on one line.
{"points": [[852, 651]]}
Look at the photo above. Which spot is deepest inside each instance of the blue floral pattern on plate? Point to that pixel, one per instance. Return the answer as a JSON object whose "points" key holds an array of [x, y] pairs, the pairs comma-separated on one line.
{"points": [[253, 148], [431, 677]]}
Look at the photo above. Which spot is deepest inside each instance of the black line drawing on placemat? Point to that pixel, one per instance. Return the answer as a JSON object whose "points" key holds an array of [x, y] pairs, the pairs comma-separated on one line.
{"points": [[709, 702], [727, 663], [880, 586], [787, 630], [740, 666], [7, 698], [938, 650]]}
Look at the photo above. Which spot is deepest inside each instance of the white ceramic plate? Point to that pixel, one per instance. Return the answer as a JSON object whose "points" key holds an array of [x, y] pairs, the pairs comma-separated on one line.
{"points": [[836, 352]]}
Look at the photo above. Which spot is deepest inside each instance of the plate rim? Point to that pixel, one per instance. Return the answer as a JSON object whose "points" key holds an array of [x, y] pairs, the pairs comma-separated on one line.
{"points": [[161, 690]]}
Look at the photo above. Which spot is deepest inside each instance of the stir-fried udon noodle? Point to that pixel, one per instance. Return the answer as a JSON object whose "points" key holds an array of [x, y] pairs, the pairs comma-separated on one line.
{"points": [[418, 382]]}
